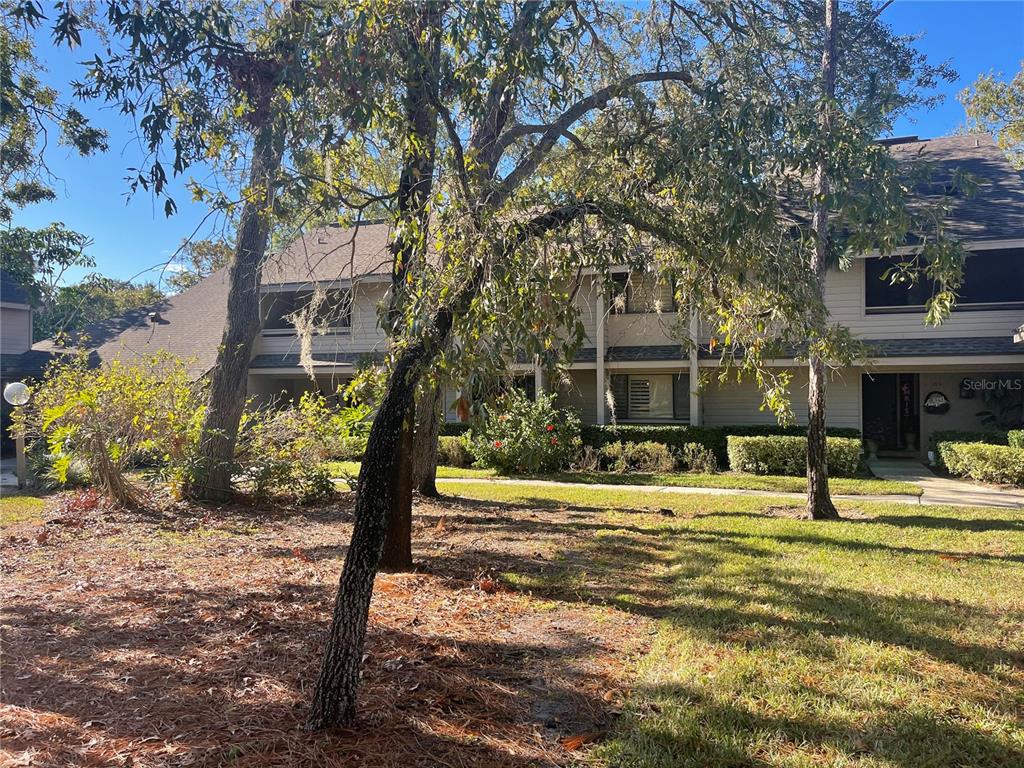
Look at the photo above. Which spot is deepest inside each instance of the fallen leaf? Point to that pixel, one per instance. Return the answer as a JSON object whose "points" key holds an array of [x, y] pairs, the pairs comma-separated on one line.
{"points": [[488, 585], [571, 743], [300, 553]]}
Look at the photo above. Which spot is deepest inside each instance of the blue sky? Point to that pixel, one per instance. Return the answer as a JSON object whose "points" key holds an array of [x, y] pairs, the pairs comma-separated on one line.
{"points": [[130, 236]]}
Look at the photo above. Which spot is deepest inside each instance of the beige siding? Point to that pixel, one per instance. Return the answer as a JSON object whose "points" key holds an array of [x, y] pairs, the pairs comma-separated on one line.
{"points": [[580, 393], [15, 330], [364, 335], [646, 329], [586, 304], [844, 297], [732, 403], [962, 413]]}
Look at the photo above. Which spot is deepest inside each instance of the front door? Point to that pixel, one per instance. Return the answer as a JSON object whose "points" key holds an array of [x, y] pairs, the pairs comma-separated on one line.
{"points": [[890, 403]]}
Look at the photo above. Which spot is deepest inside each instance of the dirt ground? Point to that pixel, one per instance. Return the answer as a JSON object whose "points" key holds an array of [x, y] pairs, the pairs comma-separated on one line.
{"points": [[190, 636]]}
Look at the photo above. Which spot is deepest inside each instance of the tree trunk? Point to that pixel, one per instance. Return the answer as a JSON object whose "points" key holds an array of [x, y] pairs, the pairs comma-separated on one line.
{"points": [[409, 247], [397, 553], [819, 501], [428, 427], [334, 697], [228, 377]]}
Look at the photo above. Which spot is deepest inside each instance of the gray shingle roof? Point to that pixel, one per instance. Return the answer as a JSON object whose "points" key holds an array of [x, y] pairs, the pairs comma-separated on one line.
{"points": [[191, 326], [927, 347], [28, 365], [11, 291], [192, 322], [332, 253], [996, 211], [941, 347]]}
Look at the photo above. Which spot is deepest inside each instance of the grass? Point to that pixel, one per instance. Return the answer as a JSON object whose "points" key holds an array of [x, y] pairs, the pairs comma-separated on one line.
{"points": [[893, 639], [19, 509], [858, 486]]}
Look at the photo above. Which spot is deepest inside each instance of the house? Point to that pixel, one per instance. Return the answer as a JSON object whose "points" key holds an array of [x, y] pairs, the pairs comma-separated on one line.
{"points": [[918, 379], [18, 361]]}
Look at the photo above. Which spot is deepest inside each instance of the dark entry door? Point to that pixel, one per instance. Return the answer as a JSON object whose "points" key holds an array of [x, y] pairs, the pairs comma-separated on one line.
{"points": [[890, 403]]}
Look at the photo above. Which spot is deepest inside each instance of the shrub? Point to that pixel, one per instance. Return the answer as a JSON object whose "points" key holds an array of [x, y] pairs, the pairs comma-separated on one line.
{"points": [[675, 436], [990, 436], [454, 428], [648, 457], [694, 457], [785, 455], [108, 419], [521, 435], [1015, 438], [282, 451], [452, 452], [984, 462]]}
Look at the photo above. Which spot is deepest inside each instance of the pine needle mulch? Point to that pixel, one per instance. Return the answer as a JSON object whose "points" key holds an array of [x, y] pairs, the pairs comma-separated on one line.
{"points": [[190, 636]]}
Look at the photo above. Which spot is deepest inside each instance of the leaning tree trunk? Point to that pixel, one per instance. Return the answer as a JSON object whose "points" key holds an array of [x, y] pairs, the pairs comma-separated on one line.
{"points": [[228, 377], [397, 552], [428, 428], [819, 501], [334, 697]]}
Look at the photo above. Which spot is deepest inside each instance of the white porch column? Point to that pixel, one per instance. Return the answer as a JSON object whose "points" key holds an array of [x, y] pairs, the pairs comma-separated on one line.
{"points": [[538, 377], [601, 383], [696, 405]]}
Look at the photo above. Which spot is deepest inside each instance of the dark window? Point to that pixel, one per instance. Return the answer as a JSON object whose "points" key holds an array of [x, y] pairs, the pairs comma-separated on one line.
{"points": [[333, 311], [651, 396], [991, 279], [641, 293]]}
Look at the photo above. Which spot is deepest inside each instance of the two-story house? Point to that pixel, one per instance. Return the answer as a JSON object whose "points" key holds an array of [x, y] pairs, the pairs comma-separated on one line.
{"points": [[918, 379]]}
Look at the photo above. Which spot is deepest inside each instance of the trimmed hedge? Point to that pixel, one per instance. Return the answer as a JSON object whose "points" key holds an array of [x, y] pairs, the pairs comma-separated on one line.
{"points": [[989, 436], [454, 428], [984, 462], [1015, 438], [676, 436], [786, 455]]}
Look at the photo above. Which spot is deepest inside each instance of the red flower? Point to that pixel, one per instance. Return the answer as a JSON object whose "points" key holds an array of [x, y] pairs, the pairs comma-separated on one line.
{"points": [[554, 441], [497, 443], [551, 427]]}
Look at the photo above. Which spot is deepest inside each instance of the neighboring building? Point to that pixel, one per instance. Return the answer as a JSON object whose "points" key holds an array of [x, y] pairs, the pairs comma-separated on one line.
{"points": [[17, 359], [920, 379]]}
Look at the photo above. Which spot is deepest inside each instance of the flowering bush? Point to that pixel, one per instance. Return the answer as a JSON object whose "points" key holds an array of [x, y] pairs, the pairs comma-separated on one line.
{"points": [[112, 418], [525, 436]]}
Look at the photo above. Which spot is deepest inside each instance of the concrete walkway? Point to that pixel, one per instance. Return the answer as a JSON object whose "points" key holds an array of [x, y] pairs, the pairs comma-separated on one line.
{"points": [[937, 490], [677, 490], [8, 478], [946, 490]]}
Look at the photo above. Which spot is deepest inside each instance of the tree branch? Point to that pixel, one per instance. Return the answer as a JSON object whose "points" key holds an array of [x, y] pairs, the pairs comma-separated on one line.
{"points": [[558, 128]]}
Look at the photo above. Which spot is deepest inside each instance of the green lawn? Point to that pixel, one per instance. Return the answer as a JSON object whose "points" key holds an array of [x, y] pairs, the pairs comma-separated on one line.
{"points": [[849, 485], [894, 639], [16, 508]]}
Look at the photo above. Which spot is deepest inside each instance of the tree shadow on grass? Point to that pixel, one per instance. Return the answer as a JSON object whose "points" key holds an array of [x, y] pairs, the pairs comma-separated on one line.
{"points": [[676, 726]]}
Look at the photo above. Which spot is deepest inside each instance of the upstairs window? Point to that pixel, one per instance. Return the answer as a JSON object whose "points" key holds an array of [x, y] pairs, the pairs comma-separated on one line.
{"points": [[992, 280], [639, 294], [334, 310]]}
